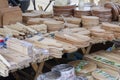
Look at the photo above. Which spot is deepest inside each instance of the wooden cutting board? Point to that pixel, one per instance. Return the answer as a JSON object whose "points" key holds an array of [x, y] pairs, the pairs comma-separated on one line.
{"points": [[111, 55], [83, 66], [105, 74], [108, 64]]}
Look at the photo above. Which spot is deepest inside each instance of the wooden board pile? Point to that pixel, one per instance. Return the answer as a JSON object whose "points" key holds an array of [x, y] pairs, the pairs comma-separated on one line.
{"points": [[21, 31], [75, 39], [36, 14], [90, 21], [104, 14], [113, 28], [64, 10], [82, 12], [98, 35], [54, 25], [11, 60]]}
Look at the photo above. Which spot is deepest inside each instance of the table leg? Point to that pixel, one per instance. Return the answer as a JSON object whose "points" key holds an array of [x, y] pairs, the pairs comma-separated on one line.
{"points": [[39, 71], [35, 66], [88, 49], [16, 76]]}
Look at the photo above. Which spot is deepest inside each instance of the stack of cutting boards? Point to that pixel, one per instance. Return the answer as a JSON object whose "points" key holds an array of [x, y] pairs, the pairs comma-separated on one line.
{"points": [[43, 14], [82, 12], [112, 28], [39, 28], [105, 59], [90, 21], [67, 10], [35, 21], [54, 25], [25, 31], [81, 31], [74, 38], [21, 46], [12, 60], [98, 35], [104, 14], [47, 43]]}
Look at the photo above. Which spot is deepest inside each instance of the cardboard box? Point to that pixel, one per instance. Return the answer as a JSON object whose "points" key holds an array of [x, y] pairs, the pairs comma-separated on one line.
{"points": [[4, 4], [10, 15]]}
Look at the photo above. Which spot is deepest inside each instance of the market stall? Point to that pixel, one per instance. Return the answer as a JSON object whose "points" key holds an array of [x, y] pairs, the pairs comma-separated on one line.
{"points": [[31, 38]]}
